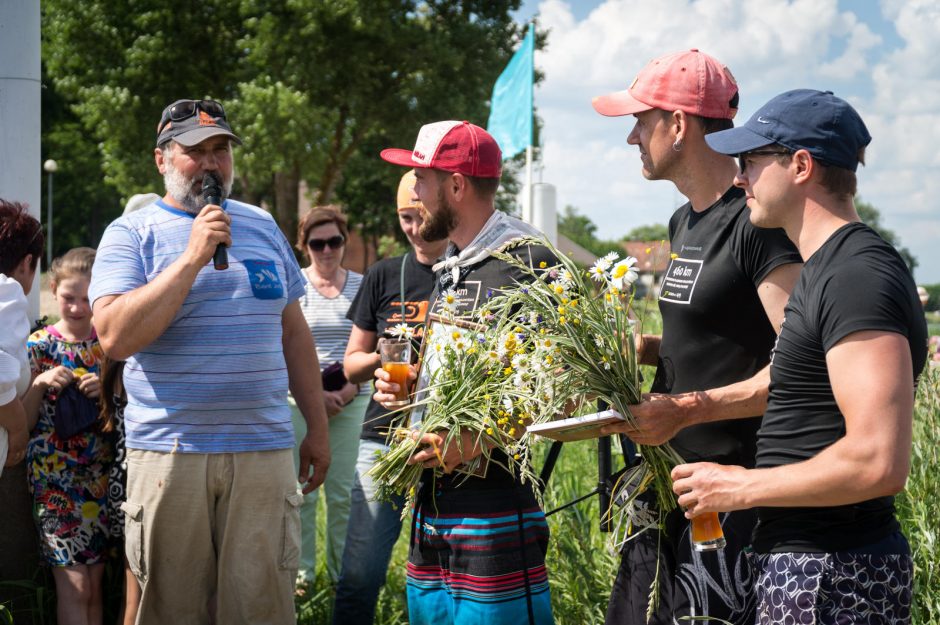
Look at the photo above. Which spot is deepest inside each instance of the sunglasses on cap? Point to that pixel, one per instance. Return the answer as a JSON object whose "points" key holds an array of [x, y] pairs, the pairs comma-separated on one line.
{"points": [[184, 109], [335, 242]]}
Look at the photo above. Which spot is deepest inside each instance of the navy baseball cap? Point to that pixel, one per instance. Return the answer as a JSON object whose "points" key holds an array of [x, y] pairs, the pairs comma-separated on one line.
{"points": [[803, 119]]}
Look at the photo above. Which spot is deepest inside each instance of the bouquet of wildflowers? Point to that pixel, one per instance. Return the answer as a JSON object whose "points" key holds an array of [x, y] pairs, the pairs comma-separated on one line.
{"points": [[585, 316], [486, 381]]}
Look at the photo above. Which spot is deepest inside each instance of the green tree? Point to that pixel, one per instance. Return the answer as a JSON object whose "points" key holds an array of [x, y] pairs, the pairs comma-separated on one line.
{"points": [[577, 227], [312, 86], [872, 217], [82, 206], [119, 62], [652, 232], [356, 76], [580, 229]]}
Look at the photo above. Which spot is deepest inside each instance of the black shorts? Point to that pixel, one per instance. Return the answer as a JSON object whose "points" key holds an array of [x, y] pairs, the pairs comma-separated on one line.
{"points": [[718, 584]]}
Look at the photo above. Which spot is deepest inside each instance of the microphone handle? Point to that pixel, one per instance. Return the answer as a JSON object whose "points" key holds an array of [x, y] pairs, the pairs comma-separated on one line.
{"points": [[220, 258]]}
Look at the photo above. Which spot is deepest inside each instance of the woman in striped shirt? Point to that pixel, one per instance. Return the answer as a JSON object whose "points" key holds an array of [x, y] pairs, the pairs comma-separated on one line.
{"points": [[322, 236]]}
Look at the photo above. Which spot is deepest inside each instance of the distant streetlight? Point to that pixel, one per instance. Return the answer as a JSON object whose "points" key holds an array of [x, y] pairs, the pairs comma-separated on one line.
{"points": [[51, 167]]}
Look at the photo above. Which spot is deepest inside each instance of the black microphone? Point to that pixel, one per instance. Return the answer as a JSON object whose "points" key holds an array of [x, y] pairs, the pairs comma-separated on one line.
{"points": [[212, 194]]}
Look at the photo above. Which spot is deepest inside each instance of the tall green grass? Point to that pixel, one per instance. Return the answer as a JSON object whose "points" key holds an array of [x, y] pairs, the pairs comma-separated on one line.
{"points": [[918, 506]]}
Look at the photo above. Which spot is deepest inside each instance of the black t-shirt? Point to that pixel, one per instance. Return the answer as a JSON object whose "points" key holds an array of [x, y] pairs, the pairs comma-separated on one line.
{"points": [[854, 282], [715, 329], [377, 306]]}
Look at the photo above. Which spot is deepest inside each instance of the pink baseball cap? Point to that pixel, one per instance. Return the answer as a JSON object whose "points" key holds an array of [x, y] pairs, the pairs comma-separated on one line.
{"points": [[689, 81], [459, 147]]}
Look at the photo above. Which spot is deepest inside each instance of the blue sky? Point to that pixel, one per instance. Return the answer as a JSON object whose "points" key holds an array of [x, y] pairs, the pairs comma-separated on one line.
{"points": [[883, 56]]}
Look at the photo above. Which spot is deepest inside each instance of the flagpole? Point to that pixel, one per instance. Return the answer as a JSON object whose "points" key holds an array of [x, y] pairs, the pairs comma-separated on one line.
{"points": [[529, 213]]}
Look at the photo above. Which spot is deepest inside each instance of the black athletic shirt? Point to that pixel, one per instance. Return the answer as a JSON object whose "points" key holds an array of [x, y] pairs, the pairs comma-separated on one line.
{"points": [[377, 306], [854, 282], [715, 330]]}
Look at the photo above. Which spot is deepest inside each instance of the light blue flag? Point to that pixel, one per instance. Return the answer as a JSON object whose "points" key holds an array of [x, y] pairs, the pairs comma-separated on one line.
{"points": [[510, 120]]}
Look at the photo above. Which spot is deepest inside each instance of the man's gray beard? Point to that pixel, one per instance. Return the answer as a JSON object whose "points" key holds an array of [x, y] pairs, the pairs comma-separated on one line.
{"points": [[180, 188]]}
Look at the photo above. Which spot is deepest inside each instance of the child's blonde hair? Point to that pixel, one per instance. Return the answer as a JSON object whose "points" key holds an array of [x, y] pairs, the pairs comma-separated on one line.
{"points": [[75, 262]]}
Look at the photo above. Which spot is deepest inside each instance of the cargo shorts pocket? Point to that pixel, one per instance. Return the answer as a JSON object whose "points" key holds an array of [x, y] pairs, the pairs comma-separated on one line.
{"points": [[134, 539], [290, 540]]}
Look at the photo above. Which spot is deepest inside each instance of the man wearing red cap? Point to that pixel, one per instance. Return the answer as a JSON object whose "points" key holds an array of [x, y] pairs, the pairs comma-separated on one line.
{"points": [[722, 301], [496, 573]]}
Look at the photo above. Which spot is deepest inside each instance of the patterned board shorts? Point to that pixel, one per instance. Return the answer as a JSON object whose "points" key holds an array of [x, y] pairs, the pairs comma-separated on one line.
{"points": [[838, 588]]}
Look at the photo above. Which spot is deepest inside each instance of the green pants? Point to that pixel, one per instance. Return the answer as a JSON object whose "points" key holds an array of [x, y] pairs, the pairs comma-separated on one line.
{"points": [[345, 429]]}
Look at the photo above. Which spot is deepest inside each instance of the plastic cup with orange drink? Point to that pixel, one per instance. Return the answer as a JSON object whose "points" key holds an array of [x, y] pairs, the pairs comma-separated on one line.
{"points": [[706, 532], [396, 360]]}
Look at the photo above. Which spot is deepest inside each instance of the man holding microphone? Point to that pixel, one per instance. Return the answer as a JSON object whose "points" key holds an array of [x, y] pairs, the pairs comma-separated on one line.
{"points": [[210, 356]]}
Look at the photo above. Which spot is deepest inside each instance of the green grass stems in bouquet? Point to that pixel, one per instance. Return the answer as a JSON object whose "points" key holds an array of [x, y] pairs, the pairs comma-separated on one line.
{"points": [[586, 316]]}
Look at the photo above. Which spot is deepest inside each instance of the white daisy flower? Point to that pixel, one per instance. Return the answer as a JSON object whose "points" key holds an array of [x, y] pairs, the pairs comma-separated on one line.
{"points": [[448, 300], [624, 273], [598, 272], [402, 330]]}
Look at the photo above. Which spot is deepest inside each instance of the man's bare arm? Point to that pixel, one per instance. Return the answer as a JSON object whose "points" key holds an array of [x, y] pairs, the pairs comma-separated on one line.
{"points": [[129, 322], [306, 386], [660, 416], [360, 359], [872, 379]]}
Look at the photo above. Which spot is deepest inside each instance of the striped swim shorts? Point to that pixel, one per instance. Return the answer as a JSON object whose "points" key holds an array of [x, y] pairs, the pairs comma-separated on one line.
{"points": [[478, 556]]}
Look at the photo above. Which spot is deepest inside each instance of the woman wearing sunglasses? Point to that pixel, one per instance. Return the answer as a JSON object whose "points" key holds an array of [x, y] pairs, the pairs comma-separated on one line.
{"points": [[322, 236]]}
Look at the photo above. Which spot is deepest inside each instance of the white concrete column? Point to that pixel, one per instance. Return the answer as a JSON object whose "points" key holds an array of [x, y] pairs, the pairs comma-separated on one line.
{"points": [[544, 213], [20, 74]]}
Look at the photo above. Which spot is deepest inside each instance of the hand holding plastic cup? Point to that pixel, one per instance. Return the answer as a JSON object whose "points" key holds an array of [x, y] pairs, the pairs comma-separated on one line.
{"points": [[396, 360]]}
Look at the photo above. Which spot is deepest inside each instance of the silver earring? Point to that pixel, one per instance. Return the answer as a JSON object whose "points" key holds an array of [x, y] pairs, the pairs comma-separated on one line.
{"points": [[677, 145]]}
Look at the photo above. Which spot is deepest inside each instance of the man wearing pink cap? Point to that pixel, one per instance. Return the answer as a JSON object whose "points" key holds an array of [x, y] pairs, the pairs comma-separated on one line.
{"points": [[722, 300], [478, 543]]}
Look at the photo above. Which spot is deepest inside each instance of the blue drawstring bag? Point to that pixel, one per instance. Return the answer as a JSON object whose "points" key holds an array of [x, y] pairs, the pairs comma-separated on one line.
{"points": [[74, 412]]}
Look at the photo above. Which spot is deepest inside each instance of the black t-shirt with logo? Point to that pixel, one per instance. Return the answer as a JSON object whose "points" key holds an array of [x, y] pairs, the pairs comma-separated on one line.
{"points": [[377, 307], [854, 282], [715, 329]]}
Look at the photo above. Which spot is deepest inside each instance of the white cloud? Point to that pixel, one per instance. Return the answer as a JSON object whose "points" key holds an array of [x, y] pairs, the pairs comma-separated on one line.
{"points": [[770, 46]]}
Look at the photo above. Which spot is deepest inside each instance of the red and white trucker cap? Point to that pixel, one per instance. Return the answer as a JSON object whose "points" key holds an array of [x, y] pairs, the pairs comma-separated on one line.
{"points": [[689, 81], [459, 147]]}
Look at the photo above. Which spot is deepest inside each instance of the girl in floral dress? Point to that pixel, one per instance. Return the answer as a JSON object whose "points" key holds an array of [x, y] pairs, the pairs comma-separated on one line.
{"points": [[68, 477]]}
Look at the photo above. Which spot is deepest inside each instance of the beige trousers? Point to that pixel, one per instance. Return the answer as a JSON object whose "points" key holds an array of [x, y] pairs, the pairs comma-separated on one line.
{"points": [[213, 532]]}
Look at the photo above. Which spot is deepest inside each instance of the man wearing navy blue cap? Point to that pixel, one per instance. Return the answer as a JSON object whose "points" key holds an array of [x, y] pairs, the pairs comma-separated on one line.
{"points": [[834, 445]]}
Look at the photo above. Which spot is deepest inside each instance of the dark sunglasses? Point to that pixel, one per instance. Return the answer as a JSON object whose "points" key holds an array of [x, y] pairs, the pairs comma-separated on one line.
{"points": [[318, 245], [742, 162], [184, 109]]}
